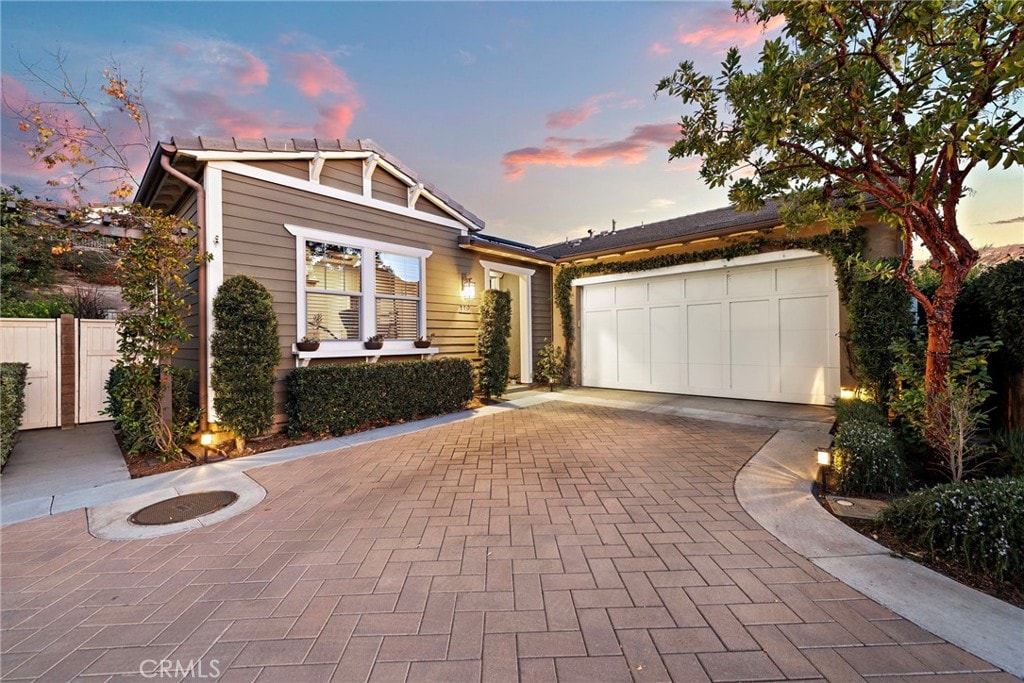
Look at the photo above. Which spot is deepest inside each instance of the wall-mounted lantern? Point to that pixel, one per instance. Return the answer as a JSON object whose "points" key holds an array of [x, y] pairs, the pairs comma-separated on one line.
{"points": [[468, 293]]}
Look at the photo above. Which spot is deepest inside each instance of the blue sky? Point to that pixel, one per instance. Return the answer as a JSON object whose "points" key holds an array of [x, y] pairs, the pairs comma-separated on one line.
{"points": [[539, 117]]}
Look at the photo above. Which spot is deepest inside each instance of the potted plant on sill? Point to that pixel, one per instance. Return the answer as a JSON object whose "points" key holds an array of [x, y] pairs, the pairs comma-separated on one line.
{"points": [[375, 342], [311, 342], [423, 342]]}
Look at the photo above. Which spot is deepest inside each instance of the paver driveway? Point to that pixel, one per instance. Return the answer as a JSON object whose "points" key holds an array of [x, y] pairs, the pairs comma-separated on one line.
{"points": [[562, 540]]}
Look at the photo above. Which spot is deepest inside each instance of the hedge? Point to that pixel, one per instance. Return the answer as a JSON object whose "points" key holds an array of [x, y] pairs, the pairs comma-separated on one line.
{"points": [[130, 396], [868, 459], [340, 398], [12, 405], [980, 523], [847, 409]]}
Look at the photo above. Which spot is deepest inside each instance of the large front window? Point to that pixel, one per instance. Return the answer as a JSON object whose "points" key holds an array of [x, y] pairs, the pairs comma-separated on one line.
{"points": [[342, 298]]}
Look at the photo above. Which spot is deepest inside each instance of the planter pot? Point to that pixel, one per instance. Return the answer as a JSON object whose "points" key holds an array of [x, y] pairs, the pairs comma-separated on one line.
{"points": [[421, 344], [307, 346], [373, 346]]}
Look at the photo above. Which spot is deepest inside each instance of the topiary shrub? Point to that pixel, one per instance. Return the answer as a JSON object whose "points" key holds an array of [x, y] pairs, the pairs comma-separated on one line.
{"points": [[978, 522], [847, 409], [550, 365], [246, 351], [867, 459], [337, 399], [492, 341], [12, 405]]}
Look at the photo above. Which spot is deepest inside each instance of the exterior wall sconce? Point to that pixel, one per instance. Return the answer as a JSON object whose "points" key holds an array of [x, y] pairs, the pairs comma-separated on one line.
{"points": [[824, 467], [468, 293]]}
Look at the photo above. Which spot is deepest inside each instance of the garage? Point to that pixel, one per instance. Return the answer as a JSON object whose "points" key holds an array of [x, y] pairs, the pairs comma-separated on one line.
{"points": [[762, 327]]}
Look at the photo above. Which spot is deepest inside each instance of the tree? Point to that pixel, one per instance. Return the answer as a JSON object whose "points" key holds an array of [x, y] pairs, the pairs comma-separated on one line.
{"points": [[103, 141], [896, 102], [246, 350], [492, 341]]}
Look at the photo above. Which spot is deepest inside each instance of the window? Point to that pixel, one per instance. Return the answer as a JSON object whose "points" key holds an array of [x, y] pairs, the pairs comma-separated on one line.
{"points": [[341, 300]]}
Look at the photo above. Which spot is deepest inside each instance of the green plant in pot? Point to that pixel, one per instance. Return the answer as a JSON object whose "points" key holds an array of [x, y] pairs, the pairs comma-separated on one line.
{"points": [[311, 342], [375, 342], [423, 342]]}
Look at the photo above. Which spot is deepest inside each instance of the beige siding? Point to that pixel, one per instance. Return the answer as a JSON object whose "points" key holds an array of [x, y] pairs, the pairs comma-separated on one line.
{"points": [[294, 168], [257, 244], [343, 174], [388, 188], [430, 207]]}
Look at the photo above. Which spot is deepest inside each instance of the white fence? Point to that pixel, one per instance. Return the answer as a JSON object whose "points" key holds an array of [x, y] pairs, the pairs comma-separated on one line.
{"points": [[69, 361]]}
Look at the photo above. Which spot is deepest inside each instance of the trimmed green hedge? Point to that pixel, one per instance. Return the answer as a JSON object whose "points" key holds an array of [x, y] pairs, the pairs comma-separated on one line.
{"points": [[339, 398], [131, 402], [12, 405], [847, 409], [980, 523], [868, 459]]}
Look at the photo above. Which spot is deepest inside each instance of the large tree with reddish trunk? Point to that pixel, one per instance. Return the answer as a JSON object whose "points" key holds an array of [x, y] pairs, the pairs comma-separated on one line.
{"points": [[890, 102]]}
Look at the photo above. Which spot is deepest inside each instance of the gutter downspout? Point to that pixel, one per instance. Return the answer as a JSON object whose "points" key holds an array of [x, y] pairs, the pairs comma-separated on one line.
{"points": [[165, 163]]}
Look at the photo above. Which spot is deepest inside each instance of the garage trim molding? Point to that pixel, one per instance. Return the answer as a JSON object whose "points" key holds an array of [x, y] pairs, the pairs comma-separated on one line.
{"points": [[769, 257]]}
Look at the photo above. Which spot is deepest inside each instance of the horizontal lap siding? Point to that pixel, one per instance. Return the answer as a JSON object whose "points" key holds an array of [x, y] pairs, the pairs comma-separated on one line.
{"points": [[388, 188], [427, 206], [343, 174], [295, 168], [257, 244], [188, 352]]}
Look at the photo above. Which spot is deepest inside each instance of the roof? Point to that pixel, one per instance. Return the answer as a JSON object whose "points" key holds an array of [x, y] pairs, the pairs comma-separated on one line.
{"points": [[497, 246], [706, 223], [288, 147]]}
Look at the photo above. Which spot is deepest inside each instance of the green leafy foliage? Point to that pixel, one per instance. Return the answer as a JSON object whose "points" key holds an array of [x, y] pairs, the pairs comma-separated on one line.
{"points": [[550, 365], [1009, 445], [152, 271], [1001, 290], [897, 101], [492, 341], [336, 399], [28, 261], [847, 409], [977, 522], [35, 308], [246, 351], [12, 405], [133, 394], [867, 459], [968, 368]]}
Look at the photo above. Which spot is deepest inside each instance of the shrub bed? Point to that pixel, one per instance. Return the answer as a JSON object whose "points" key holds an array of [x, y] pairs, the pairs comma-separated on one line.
{"points": [[12, 405], [867, 459], [980, 523], [131, 402], [847, 409], [339, 398]]}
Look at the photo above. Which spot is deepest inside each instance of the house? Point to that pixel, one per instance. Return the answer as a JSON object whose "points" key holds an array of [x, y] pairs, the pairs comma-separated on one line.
{"points": [[306, 217]]}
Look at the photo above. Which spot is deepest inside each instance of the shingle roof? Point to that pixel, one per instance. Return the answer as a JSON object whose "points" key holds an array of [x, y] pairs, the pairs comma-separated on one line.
{"points": [[723, 220], [221, 144]]}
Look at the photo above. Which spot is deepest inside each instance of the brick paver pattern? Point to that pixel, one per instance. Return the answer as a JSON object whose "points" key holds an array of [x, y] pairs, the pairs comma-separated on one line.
{"points": [[559, 542]]}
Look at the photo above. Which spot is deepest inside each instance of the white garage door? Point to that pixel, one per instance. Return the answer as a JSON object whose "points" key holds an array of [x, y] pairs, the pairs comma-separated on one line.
{"points": [[760, 327]]}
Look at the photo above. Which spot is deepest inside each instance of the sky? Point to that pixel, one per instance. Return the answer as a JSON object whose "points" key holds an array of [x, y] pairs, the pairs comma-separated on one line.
{"points": [[538, 117]]}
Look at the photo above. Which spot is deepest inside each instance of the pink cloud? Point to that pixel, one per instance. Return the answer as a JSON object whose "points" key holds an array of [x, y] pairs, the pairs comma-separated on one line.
{"points": [[728, 29], [335, 119], [204, 113], [658, 49], [252, 71], [314, 73], [574, 116], [575, 152]]}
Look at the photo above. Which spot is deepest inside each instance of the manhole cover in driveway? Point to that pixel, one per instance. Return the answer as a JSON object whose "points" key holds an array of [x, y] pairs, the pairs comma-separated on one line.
{"points": [[182, 508]]}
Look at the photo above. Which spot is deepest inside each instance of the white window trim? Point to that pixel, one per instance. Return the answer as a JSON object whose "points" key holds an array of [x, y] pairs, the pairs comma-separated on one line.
{"points": [[368, 306], [524, 275]]}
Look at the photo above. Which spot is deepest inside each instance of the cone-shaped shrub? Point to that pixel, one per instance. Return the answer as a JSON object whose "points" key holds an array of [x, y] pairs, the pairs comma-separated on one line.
{"points": [[492, 341]]}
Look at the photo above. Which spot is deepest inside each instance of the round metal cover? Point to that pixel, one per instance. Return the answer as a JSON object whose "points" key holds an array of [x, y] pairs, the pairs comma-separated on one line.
{"points": [[182, 508]]}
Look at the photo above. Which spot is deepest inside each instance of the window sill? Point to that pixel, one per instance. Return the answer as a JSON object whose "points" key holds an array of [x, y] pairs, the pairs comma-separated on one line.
{"points": [[329, 350]]}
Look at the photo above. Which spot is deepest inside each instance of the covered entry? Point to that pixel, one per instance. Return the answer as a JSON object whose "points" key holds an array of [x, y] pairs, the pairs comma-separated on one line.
{"points": [[762, 327], [517, 282]]}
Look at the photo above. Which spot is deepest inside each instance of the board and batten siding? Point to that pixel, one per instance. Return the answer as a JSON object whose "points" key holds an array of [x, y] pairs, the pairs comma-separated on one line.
{"points": [[256, 244]]}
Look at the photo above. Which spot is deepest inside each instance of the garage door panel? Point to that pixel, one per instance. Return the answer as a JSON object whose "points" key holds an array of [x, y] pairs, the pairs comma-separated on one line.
{"points": [[704, 334], [749, 333], [666, 334], [599, 296], [803, 278], [665, 291], [633, 368], [748, 282], [804, 381], [710, 286], [633, 294], [599, 353]]}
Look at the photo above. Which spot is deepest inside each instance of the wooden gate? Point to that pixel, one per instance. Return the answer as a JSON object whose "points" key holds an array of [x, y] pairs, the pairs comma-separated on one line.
{"points": [[35, 342], [97, 353]]}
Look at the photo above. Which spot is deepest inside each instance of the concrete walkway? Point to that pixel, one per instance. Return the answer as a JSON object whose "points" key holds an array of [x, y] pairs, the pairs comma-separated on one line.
{"points": [[559, 541], [50, 463]]}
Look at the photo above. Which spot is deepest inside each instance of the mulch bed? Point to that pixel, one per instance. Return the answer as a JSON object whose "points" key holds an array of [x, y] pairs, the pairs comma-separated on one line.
{"points": [[1003, 590], [149, 464]]}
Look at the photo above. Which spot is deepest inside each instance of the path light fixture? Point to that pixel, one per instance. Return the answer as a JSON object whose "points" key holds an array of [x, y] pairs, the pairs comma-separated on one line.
{"points": [[847, 393], [206, 440], [824, 467]]}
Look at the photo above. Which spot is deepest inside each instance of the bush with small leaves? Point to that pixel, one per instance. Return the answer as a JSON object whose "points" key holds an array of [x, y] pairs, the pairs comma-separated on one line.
{"points": [[492, 341], [12, 405], [867, 459], [847, 409], [979, 523]]}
